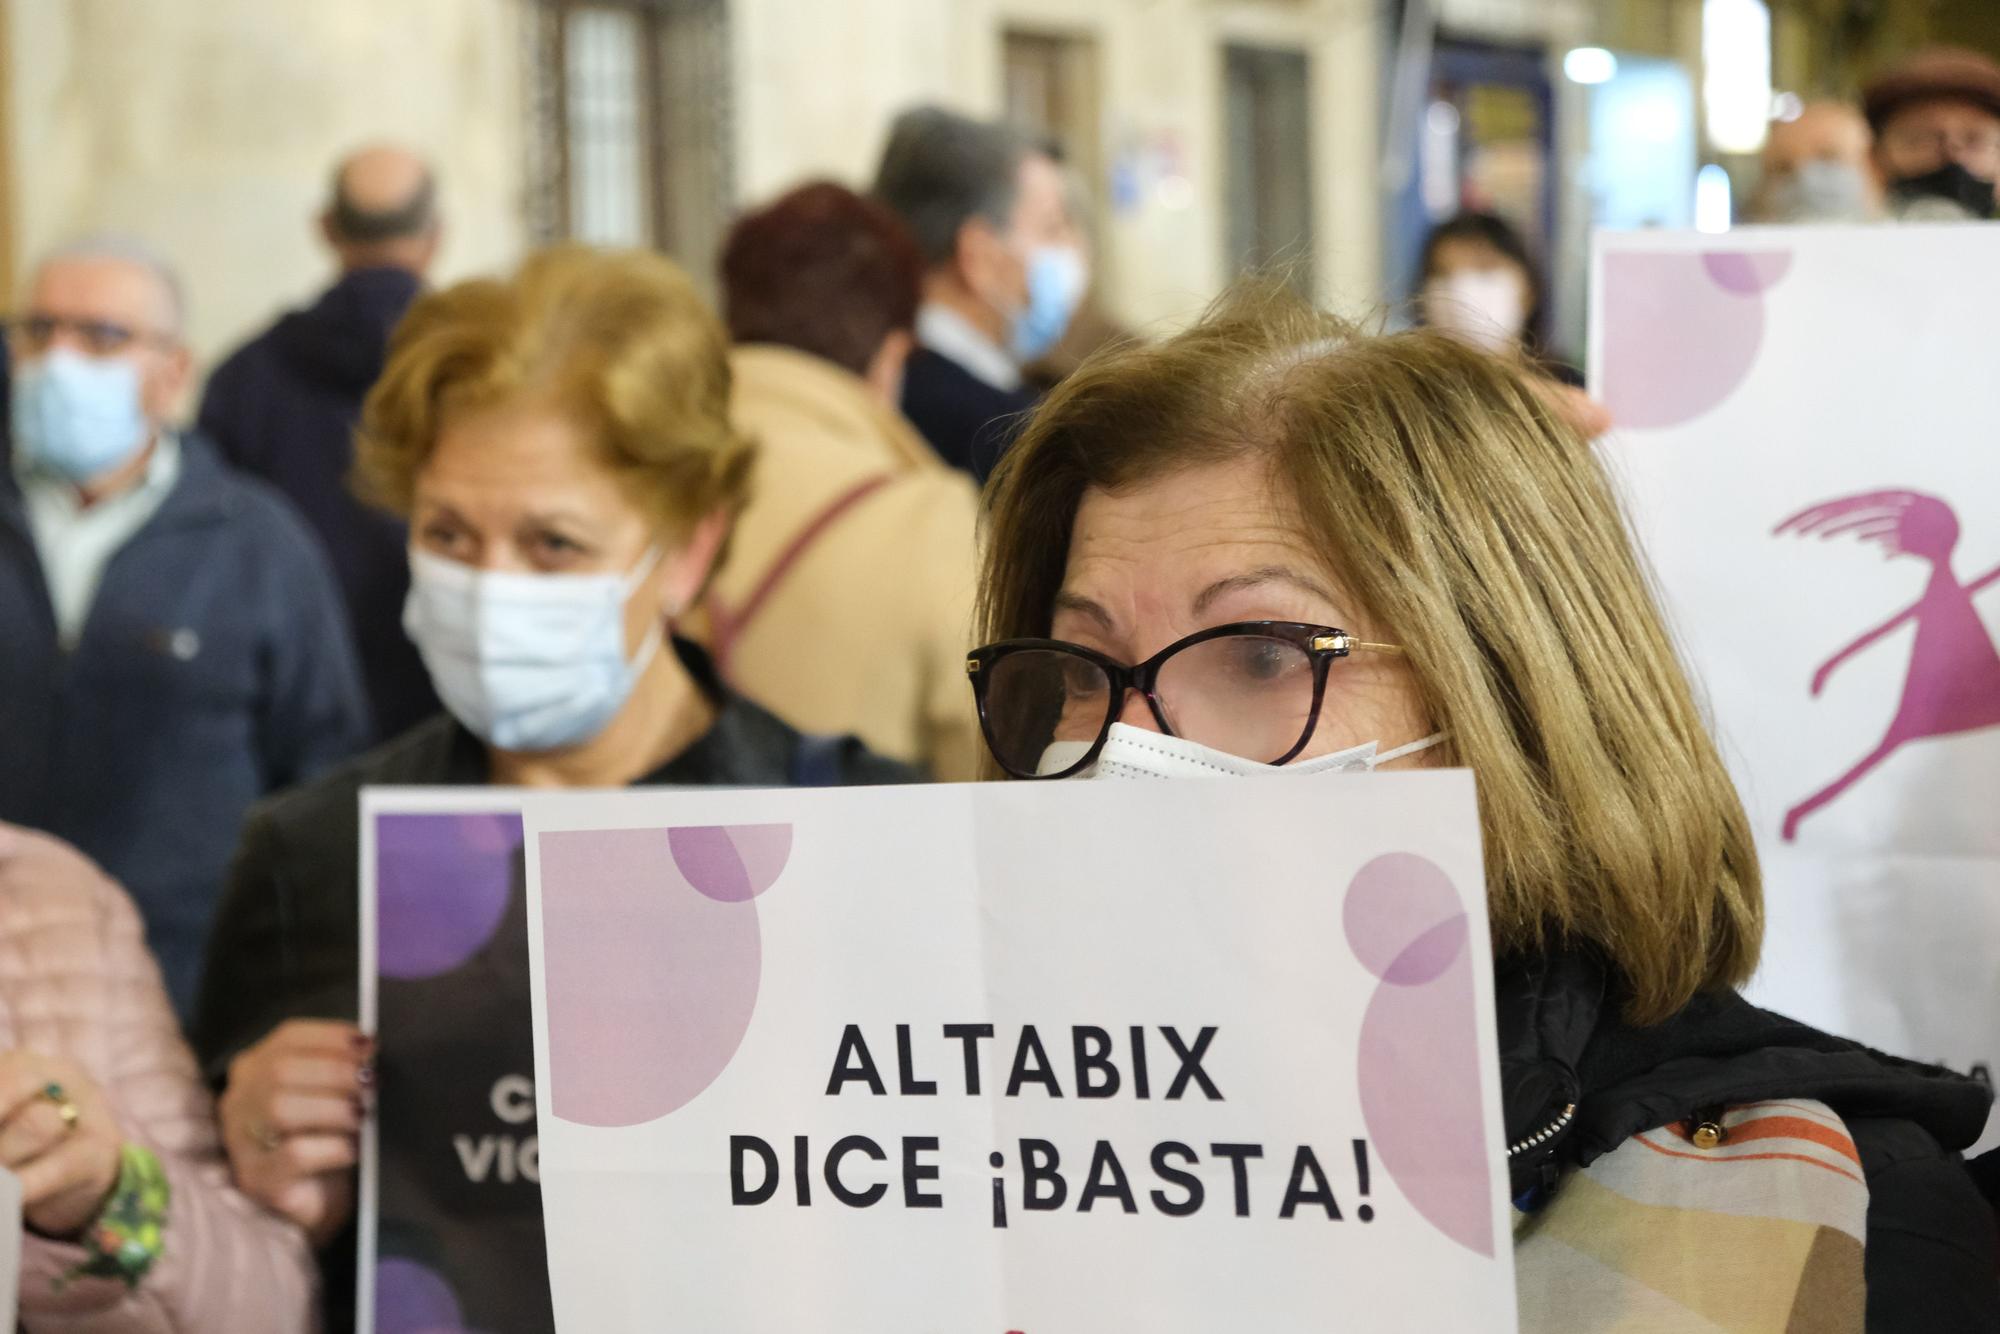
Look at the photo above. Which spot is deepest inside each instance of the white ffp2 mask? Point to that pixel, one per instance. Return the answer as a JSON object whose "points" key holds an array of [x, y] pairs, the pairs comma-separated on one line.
{"points": [[1134, 752], [1483, 307]]}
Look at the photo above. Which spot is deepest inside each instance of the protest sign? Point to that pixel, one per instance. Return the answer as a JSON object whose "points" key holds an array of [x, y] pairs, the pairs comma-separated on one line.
{"points": [[1806, 436], [10, 1248], [1028, 1057], [450, 1210]]}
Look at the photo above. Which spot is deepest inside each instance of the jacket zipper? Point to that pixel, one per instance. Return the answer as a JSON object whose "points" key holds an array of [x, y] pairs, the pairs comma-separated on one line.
{"points": [[1546, 1133]]}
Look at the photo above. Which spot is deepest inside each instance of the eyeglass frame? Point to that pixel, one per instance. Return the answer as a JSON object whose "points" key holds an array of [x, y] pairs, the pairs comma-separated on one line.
{"points": [[123, 337], [1322, 643], [1949, 146]]}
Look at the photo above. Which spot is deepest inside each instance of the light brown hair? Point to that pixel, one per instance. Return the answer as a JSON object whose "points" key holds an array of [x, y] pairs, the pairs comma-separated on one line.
{"points": [[619, 340], [1480, 531]]}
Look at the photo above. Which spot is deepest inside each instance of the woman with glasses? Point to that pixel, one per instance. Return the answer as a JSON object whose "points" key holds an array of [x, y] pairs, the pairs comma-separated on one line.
{"points": [[1274, 544]]}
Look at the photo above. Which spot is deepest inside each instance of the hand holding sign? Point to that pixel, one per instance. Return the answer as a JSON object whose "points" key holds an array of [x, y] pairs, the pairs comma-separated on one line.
{"points": [[290, 1118]]}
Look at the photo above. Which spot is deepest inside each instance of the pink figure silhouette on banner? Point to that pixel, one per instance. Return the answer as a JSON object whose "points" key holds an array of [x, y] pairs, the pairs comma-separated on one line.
{"points": [[1953, 684]]}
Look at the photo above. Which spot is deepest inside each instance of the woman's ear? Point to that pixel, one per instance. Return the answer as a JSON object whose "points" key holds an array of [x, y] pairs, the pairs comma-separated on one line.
{"points": [[688, 570]]}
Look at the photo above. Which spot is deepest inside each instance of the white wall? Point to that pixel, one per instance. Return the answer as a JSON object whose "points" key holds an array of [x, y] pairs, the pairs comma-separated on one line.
{"points": [[208, 128], [821, 81]]}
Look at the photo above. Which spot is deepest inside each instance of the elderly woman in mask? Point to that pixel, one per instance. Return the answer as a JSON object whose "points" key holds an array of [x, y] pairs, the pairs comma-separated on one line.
{"points": [[1273, 543], [561, 445]]}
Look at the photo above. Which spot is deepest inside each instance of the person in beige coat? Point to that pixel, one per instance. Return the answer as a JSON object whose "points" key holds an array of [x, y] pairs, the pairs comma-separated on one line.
{"points": [[845, 599], [130, 1225]]}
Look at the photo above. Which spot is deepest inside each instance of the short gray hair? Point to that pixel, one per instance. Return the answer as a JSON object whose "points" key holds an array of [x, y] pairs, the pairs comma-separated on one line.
{"points": [[130, 250], [941, 169]]}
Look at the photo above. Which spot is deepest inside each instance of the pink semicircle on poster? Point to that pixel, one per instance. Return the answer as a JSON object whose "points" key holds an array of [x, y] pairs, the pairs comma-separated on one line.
{"points": [[1418, 1064], [1682, 330], [651, 961]]}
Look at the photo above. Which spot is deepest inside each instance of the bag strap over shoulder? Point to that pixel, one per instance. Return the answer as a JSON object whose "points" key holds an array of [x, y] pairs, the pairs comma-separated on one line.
{"points": [[729, 625]]}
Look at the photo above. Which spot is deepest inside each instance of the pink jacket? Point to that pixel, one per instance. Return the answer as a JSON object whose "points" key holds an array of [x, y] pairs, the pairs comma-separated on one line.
{"points": [[76, 980]]}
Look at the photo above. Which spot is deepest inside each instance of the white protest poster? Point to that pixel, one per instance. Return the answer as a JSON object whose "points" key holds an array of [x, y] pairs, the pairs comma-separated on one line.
{"points": [[1808, 435], [1028, 1057], [10, 1248]]}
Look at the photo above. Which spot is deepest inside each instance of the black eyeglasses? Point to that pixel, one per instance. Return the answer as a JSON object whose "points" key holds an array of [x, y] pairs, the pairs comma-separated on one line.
{"points": [[1253, 689], [34, 334]]}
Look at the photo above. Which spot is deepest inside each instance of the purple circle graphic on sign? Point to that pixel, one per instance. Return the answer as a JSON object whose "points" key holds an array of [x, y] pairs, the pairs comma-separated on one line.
{"points": [[441, 886], [410, 1299], [651, 958], [1682, 329], [1419, 1059], [732, 865]]}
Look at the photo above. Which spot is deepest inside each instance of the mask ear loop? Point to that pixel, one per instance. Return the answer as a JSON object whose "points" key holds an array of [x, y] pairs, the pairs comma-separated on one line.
{"points": [[642, 571], [657, 636], [648, 650], [1424, 743]]}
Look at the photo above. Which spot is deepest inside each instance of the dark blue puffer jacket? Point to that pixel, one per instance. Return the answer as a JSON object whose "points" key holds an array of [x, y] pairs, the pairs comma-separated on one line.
{"points": [[214, 667]]}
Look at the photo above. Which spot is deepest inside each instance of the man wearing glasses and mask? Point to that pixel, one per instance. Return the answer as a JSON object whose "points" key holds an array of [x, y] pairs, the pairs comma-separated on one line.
{"points": [[175, 646], [1936, 118]]}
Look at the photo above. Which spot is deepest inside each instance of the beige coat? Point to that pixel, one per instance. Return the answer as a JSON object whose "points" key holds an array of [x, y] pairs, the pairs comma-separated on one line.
{"points": [[865, 631], [77, 981]]}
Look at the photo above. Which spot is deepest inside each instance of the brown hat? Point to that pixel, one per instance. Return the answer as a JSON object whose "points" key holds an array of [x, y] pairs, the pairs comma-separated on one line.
{"points": [[1931, 75]]}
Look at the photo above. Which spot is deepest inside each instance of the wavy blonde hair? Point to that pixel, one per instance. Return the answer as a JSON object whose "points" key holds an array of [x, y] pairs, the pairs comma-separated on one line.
{"points": [[619, 340], [1475, 525]]}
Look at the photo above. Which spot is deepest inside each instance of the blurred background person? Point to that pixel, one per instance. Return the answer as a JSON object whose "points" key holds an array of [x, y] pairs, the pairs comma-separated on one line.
{"points": [[175, 645], [560, 441], [1818, 167], [1479, 283], [1004, 273], [131, 1223], [1092, 326], [858, 540], [283, 407], [1936, 118]]}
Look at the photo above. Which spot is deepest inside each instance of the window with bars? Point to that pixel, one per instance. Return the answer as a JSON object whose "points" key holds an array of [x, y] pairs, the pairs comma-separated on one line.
{"points": [[632, 107]]}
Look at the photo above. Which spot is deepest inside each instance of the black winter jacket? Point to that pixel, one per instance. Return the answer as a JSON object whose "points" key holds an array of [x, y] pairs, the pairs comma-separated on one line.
{"points": [[282, 407], [1931, 1249]]}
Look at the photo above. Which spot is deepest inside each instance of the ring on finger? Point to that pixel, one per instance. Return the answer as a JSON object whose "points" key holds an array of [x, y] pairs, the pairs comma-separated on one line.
{"points": [[264, 1135], [65, 1106]]}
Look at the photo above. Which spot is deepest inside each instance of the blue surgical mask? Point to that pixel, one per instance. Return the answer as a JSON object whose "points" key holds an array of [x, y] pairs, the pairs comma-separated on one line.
{"points": [[1057, 278], [528, 662], [77, 417]]}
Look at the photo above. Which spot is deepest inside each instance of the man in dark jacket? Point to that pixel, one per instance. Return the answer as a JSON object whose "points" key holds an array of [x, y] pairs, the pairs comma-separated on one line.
{"points": [[174, 644], [1005, 272], [283, 407]]}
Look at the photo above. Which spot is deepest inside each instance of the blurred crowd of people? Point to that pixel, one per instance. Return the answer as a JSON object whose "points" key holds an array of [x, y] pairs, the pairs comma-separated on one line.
{"points": [[570, 527]]}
